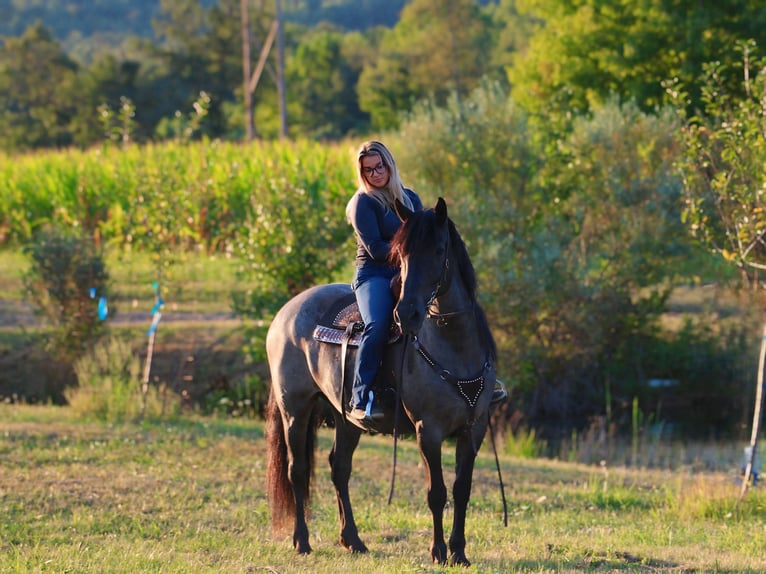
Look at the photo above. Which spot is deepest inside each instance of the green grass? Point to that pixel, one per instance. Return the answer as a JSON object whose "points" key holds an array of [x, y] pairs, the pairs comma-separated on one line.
{"points": [[188, 496], [194, 283]]}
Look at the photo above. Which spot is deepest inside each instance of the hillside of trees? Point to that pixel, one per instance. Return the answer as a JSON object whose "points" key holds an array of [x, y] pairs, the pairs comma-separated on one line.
{"points": [[79, 23], [58, 92]]}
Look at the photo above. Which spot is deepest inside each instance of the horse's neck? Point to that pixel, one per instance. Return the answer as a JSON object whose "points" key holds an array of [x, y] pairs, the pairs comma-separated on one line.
{"points": [[452, 322]]}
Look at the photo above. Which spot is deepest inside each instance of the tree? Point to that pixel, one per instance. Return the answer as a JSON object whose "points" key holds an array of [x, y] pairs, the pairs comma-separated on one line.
{"points": [[200, 50], [107, 82], [572, 248], [434, 50], [724, 164], [589, 49], [323, 81], [724, 169], [37, 91]]}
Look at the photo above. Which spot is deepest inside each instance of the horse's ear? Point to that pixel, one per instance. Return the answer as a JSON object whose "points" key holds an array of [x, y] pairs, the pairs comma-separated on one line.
{"points": [[402, 210], [441, 210]]}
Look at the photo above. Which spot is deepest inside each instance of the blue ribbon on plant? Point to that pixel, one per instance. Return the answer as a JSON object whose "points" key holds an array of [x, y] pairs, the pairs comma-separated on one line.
{"points": [[103, 308], [156, 310]]}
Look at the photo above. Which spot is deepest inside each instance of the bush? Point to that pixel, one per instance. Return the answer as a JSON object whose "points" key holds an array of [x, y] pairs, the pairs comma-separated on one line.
{"points": [[576, 239], [65, 282], [109, 385]]}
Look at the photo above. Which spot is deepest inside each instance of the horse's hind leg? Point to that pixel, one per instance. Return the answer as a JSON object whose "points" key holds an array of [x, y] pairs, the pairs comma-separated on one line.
{"points": [[300, 456], [346, 441]]}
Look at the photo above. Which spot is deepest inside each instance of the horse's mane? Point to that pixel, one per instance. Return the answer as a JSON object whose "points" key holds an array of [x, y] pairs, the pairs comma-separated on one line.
{"points": [[421, 228]]}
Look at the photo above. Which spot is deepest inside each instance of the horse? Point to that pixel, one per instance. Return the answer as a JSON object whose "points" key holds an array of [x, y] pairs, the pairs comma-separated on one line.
{"points": [[442, 367]]}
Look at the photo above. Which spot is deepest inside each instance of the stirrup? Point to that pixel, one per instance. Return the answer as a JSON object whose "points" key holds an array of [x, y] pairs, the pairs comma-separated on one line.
{"points": [[499, 394]]}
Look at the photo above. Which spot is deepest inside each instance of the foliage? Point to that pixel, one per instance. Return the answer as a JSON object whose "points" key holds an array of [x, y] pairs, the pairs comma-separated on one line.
{"points": [[65, 282], [523, 444], [37, 110], [109, 385], [348, 64], [322, 101], [295, 234], [430, 52], [87, 21], [724, 163], [575, 250], [246, 398], [586, 51]]}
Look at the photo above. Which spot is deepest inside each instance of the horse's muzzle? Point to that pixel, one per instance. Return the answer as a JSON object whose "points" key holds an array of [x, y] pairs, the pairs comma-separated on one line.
{"points": [[409, 316]]}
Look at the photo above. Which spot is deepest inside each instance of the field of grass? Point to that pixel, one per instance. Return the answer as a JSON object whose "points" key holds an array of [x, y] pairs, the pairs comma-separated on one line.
{"points": [[189, 496], [195, 283]]}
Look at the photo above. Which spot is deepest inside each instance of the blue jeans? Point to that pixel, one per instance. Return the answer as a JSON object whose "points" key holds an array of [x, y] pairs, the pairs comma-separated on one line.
{"points": [[376, 305]]}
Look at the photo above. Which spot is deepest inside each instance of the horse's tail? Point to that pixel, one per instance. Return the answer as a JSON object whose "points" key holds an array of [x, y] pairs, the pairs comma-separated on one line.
{"points": [[278, 486]]}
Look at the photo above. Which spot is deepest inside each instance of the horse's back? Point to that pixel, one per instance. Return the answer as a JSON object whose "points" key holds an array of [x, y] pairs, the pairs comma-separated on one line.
{"points": [[300, 365]]}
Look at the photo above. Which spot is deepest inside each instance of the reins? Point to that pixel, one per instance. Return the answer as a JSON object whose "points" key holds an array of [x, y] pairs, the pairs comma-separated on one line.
{"points": [[397, 416]]}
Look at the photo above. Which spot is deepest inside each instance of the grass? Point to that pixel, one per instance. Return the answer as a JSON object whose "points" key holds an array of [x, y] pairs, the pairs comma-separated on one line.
{"points": [[188, 496], [192, 284]]}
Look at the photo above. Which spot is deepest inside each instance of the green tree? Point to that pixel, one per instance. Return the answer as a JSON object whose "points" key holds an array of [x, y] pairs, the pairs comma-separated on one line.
{"points": [[107, 82], [66, 280], [322, 82], [724, 169], [435, 49], [37, 91], [571, 248], [724, 164], [511, 32], [199, 51], [589, 49]]}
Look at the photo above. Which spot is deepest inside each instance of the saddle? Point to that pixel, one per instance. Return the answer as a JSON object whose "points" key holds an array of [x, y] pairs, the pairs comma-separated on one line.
{"points": [[342, 324]]}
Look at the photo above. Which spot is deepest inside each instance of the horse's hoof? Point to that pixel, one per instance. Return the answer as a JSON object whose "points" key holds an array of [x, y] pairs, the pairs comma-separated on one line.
{"points": [[302, 548], [459, 560], [439, 555], [355, 547]]}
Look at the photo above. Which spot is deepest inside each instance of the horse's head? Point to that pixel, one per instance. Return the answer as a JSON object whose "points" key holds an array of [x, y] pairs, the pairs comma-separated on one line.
{"points": [[421, 249]]}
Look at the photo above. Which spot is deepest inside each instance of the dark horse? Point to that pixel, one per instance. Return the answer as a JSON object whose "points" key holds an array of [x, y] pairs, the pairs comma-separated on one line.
{"points": [[443, 366]]}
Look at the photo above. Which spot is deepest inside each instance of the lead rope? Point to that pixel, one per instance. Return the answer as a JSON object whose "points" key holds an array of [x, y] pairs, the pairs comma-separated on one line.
{"points": [[397, 416], [499, 475]]}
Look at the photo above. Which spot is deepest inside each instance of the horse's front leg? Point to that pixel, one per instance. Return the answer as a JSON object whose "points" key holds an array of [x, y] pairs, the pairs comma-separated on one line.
{"points": [[346, 441], [467, 448], [430, 444]]}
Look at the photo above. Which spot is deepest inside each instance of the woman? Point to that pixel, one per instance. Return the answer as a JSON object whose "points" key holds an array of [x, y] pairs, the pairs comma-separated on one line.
{"points": [[371, 212]]}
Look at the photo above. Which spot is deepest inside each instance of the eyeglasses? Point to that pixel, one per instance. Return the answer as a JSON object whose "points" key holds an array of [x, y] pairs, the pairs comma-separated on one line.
{"points": [[378, 169]]}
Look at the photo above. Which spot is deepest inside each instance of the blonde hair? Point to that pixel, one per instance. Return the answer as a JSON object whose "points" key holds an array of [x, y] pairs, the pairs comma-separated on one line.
{"points": [[394, 189]]}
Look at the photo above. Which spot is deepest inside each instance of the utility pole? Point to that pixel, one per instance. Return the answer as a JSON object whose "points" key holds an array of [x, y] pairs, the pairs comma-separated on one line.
{"points": [[248, 94], [251, 79], [281, 74]]}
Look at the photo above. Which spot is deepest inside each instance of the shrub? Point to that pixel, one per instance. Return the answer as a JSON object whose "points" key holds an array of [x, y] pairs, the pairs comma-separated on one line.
{"points": [[65, 282], [576, 238], [109, 384]]}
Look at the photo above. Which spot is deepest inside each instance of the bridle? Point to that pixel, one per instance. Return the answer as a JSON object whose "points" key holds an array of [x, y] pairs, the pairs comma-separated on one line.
{"points": [[440, 288]]}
